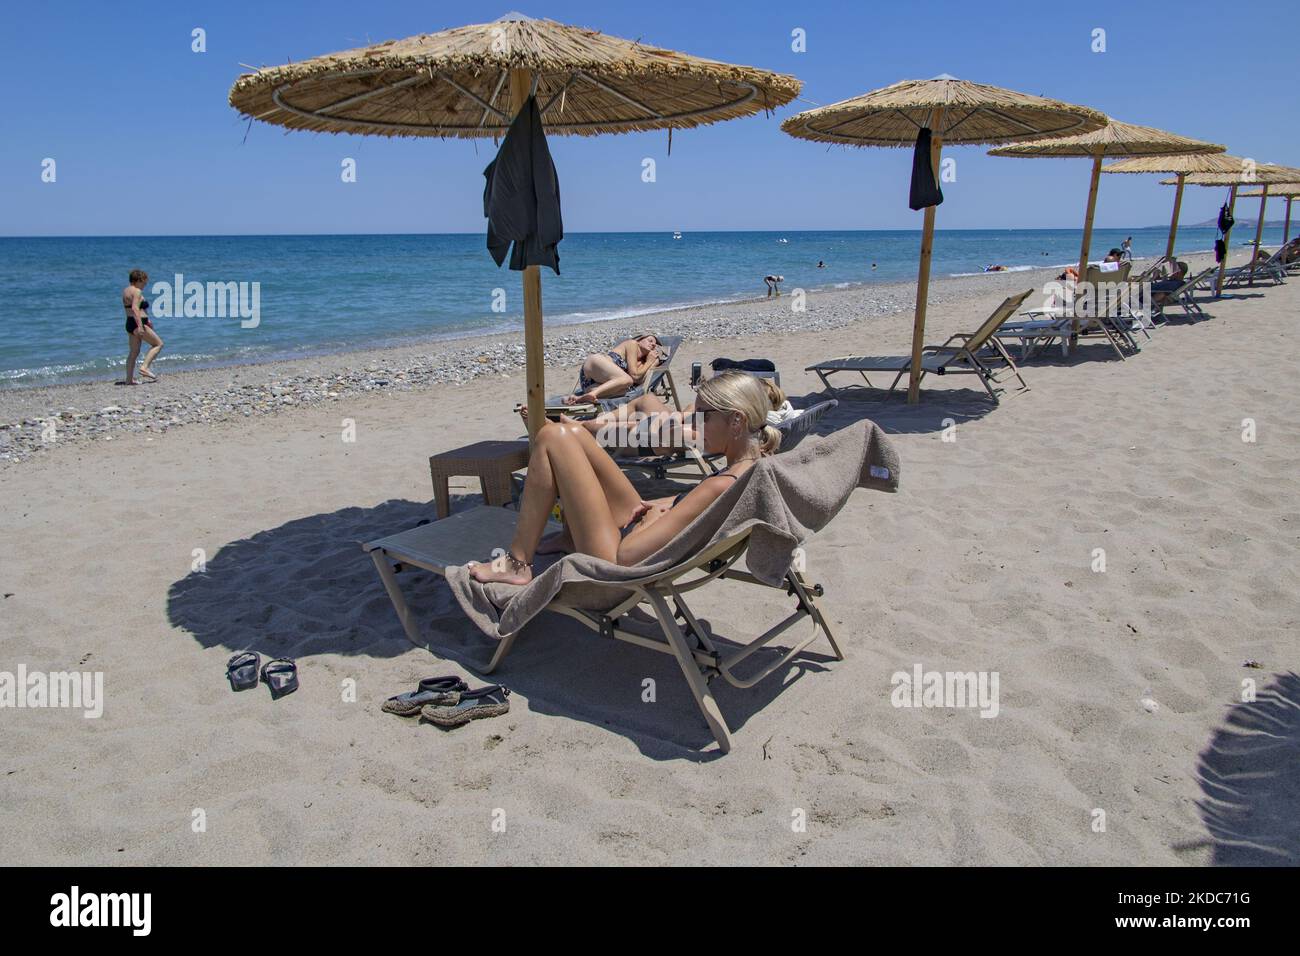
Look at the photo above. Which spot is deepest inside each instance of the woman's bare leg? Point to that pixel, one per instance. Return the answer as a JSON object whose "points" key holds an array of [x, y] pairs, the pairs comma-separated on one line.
{"points": [[156, 343], [132, 353], [566, 461], [609, 378]]}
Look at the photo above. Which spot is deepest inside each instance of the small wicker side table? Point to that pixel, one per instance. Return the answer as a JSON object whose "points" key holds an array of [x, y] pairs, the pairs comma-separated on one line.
{"points": [[489, 461]]}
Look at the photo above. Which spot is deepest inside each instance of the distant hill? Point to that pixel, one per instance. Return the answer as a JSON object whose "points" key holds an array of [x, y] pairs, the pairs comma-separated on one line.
{"points": [[1213, 223]]}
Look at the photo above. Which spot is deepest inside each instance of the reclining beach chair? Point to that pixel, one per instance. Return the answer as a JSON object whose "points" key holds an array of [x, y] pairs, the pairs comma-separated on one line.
{"points": [[1111, 319], [1154, 271], [768, 513], [1273, 269], [961, 354], [659, 380], [1184, 296], [793, 430]]}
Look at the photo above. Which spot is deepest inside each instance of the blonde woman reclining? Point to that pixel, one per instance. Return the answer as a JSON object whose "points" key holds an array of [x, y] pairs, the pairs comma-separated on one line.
{"points": [[604, 515]]}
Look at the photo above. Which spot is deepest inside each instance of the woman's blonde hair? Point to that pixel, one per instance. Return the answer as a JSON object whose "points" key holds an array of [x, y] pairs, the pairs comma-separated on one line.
{"points": [[774, 393], [738, 392]]}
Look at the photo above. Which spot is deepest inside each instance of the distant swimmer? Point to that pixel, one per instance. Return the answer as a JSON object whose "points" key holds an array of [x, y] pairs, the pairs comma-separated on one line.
{"points": [[773, 285], [995, 268], [821, 264], [873, 265]]}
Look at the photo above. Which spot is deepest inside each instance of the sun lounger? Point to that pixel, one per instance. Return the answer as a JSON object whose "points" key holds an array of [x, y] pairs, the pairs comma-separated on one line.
{"points": [[772, 510], [1273, 269], [1110, 317], [659, 380], [1150, 272], [962, 354], [1184, 296]]}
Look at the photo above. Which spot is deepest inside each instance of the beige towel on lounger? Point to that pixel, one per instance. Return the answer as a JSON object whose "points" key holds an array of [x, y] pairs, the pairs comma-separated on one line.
{"points": [[783, 500]]}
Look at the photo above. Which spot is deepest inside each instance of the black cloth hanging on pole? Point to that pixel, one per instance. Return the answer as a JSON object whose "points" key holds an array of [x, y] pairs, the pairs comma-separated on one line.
{"points": [[925, 189], [1226, 222], [521, 198]]}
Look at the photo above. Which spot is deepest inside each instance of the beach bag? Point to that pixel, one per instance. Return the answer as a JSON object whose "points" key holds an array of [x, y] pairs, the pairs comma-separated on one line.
{"points": [[1226, 222], [925, 189], [745, 365], [1220, 250]]}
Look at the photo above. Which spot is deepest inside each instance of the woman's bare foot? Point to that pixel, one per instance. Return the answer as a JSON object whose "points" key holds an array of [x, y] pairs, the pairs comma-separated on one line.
{"points": [[147, 374], [505, 569], [561, 542]]}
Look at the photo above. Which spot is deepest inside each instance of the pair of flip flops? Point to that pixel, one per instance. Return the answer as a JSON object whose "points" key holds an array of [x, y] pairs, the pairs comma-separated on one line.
{"points": [[448, 702], [280, 674]]}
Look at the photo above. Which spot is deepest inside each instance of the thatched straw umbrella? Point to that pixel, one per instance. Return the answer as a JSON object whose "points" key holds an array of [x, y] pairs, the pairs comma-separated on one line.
{"points": [[471, 81], [1264, 174], [958, 113], [1117, 139], [1287, 191], [1182, 165]]}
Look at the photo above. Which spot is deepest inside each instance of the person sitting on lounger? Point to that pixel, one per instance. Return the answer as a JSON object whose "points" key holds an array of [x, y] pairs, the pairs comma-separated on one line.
{"points": [[1291, 251], [1161, 289], [604, 515], [610, 374]]}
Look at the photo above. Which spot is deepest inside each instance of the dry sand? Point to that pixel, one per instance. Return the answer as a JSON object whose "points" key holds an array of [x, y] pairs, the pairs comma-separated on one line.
{"points": [[983, 562]]}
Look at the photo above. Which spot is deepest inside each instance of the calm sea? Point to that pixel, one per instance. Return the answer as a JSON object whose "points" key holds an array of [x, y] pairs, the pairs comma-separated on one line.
{"points": [[343, 293]]}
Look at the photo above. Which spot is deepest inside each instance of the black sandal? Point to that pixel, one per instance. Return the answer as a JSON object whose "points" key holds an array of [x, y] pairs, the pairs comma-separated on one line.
{"points": [[241, 670], [281, 676]]}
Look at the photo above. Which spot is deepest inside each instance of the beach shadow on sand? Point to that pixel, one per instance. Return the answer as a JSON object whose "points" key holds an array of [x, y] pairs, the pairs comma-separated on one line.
{"points": [[306, 588], [939, 408], [1249, 774]]}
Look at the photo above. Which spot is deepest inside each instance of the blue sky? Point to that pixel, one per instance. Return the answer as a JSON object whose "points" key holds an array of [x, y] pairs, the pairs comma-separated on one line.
{"points": [[146, 143]]}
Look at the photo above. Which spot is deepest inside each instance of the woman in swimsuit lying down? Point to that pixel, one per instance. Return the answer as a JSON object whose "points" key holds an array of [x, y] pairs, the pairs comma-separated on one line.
{"points": [[604, 515], [610, 374]]}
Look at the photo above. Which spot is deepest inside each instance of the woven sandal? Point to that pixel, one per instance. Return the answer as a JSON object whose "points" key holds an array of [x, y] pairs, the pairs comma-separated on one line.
{"points": [[443, 691], [490, 701]]}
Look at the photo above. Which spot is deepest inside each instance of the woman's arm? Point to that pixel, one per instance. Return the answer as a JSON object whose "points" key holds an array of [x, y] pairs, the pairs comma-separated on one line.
{"points": [[635, 367], [632, 355], [135, 309], [655, 531]]}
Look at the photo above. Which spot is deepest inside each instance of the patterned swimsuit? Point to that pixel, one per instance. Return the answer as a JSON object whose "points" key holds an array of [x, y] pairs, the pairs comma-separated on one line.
{"points": [[586, 384]]}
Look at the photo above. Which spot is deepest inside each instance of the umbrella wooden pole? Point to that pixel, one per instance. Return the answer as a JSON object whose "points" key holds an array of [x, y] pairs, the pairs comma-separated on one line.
{"points": [[1227, 244], [923, 271], [1173, 223], [1286, 229], [1259, 230], [1087, 222], [521, 82]]}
